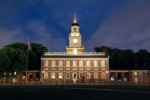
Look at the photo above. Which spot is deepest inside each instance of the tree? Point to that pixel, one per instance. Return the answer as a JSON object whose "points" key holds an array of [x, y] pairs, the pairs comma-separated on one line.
{"points": [[16, 58], [143, 58], [108, 50], [34, 56], [12, 60], [119, 59]]}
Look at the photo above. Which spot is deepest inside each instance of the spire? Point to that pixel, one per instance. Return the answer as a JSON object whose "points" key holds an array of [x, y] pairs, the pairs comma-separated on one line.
{"points": [[75, 18]]}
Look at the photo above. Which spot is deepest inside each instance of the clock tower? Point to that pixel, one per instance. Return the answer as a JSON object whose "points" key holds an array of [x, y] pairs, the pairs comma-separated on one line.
{"points": [[75, 39]]}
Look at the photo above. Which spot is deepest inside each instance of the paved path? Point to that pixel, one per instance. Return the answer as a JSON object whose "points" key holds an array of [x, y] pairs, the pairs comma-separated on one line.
{"points": [[113, 90]]}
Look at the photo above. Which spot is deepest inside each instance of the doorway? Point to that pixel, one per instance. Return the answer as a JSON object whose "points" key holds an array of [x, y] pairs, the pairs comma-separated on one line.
{"points": [[74, 77]]}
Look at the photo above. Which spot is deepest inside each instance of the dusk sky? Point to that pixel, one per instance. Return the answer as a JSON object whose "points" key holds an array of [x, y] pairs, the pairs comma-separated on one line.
{"points": [[123, 24]]}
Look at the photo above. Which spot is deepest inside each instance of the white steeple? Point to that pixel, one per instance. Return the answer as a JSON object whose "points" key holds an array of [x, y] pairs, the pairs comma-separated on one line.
{"points": [[75, 18]]}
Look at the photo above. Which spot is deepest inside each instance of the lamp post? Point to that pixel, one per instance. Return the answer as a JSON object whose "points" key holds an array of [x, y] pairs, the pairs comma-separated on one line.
{"points": [[107, 74], [14, 78], [9, 78], [43, 75]]}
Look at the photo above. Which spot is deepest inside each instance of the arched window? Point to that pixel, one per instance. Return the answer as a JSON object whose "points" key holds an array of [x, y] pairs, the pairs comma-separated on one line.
{"points": [[60, 75], [53, 75]]}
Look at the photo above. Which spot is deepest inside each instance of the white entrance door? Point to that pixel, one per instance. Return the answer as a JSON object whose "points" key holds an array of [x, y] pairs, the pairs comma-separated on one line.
{"points": [[74, 77]]}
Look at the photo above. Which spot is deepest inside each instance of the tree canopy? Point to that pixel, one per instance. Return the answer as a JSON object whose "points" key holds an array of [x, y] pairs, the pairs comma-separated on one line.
{"points": [[34, 56], [16, 58], [12, 60], [126, 59]]}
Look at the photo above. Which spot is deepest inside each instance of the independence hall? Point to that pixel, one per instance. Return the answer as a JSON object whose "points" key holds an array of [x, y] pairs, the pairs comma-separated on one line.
{"points": [[74, 65]]}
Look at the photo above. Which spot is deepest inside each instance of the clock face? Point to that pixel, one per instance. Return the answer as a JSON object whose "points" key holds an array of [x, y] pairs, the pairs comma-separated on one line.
{"points": [[75, 40]]}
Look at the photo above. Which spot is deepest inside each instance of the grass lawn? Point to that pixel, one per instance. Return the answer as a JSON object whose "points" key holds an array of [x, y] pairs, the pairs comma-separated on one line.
{"points": [[74, 92]]}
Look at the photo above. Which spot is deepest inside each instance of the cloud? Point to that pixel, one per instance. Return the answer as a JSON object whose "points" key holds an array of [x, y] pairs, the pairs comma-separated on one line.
{"points": [[122, 24], [9, 36], [41, 34], [38, 34], [127, 26]]}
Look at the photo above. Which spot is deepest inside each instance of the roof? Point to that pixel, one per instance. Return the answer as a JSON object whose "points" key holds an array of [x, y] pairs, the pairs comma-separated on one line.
{"points": [[75, 24]]}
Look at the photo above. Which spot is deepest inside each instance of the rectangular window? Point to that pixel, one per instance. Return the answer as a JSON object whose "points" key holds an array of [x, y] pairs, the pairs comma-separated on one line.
{"points": [[53, 63], [60, 75], [80, 63], [103, 64], [95, 75], [53, 75], [60, 63], [45, 63], [49, 63], [88, 63], [67, 63], [67, 75], [74, 63], [95, 63], [103, 75]]}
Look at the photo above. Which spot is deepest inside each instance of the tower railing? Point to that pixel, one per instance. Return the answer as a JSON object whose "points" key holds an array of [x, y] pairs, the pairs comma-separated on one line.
{"points": [[82, 53]]}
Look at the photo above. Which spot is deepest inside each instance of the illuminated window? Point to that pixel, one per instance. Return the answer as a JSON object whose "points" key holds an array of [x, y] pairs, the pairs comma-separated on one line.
{"points": [[103, 75], [72, 34], [53, 75], [95, 63], [75, 51], [103, 64], [67, 63], [96, 75], [112, 78], [88, 76], [53, 63], [67, 75], [45, 75], [77, 34], [74, 63], [135, 73], [60, 75], [88, 63], [80, 63], [60, 63]]}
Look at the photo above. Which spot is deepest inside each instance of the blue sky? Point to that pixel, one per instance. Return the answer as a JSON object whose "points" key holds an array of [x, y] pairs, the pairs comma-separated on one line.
{"points": [[123, 24]]}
